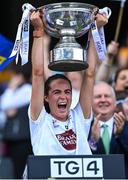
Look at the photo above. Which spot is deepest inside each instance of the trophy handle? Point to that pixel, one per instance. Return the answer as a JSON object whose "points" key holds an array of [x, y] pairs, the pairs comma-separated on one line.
{"points": [[107, 11]]}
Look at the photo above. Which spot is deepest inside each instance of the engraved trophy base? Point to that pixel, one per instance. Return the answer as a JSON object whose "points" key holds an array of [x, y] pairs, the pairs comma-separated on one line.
{"points": [[67, 59], [68, 66]]}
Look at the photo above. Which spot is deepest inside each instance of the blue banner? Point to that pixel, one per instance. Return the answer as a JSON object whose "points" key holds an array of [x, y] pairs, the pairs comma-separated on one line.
{"points": [[6, 47]]}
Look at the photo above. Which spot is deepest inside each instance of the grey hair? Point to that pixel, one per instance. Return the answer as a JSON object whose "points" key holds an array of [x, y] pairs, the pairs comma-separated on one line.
{"points": [[105, 83]]}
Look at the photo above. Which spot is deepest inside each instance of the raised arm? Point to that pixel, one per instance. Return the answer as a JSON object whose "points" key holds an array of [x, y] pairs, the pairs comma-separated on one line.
{"points": [[86, 92], [103, 73], [38, 72]]}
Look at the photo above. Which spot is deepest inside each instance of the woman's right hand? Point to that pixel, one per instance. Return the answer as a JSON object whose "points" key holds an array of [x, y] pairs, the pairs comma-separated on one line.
{"points": [[36, 20]]}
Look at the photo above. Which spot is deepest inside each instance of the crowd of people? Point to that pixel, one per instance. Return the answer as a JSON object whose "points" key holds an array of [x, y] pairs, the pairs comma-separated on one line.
{"points": [[66, 113]]}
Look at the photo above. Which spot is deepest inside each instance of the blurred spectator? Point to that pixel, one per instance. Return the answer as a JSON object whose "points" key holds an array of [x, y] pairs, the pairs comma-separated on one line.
{"points": [[14, 103], [106, 68], [121, 83], [121, 79], [116, 57], [104, 106], [118, 73], [18, 87]]}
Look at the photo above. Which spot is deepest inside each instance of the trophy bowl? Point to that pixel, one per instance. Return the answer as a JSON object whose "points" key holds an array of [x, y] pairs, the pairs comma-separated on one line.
{"points": [[68, 21]]}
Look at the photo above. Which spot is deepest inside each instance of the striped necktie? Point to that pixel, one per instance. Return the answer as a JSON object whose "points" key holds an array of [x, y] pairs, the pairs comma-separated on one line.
{"points": [[106, 138]]}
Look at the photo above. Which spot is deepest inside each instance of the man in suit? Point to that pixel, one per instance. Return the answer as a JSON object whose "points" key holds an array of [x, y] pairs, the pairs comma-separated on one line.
{"points": [[116, 131]]}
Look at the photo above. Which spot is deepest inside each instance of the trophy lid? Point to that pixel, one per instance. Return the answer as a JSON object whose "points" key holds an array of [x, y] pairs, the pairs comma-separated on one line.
{"points": [[68, 15]]}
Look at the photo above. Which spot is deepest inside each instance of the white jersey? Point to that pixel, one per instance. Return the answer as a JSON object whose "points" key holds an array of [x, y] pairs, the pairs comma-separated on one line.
{"points": [[16, 98], [52, 137]]}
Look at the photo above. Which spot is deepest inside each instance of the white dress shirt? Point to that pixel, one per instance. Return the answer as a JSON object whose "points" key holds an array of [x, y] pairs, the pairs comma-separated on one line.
{"points": [[109, 123]]}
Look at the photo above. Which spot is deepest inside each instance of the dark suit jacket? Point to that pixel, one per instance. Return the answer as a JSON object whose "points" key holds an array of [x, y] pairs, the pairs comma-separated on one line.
{"points": [[118, 145]]}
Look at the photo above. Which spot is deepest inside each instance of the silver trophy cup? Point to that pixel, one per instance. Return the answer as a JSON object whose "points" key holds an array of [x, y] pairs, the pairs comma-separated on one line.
{"points": [[68, 21]]}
